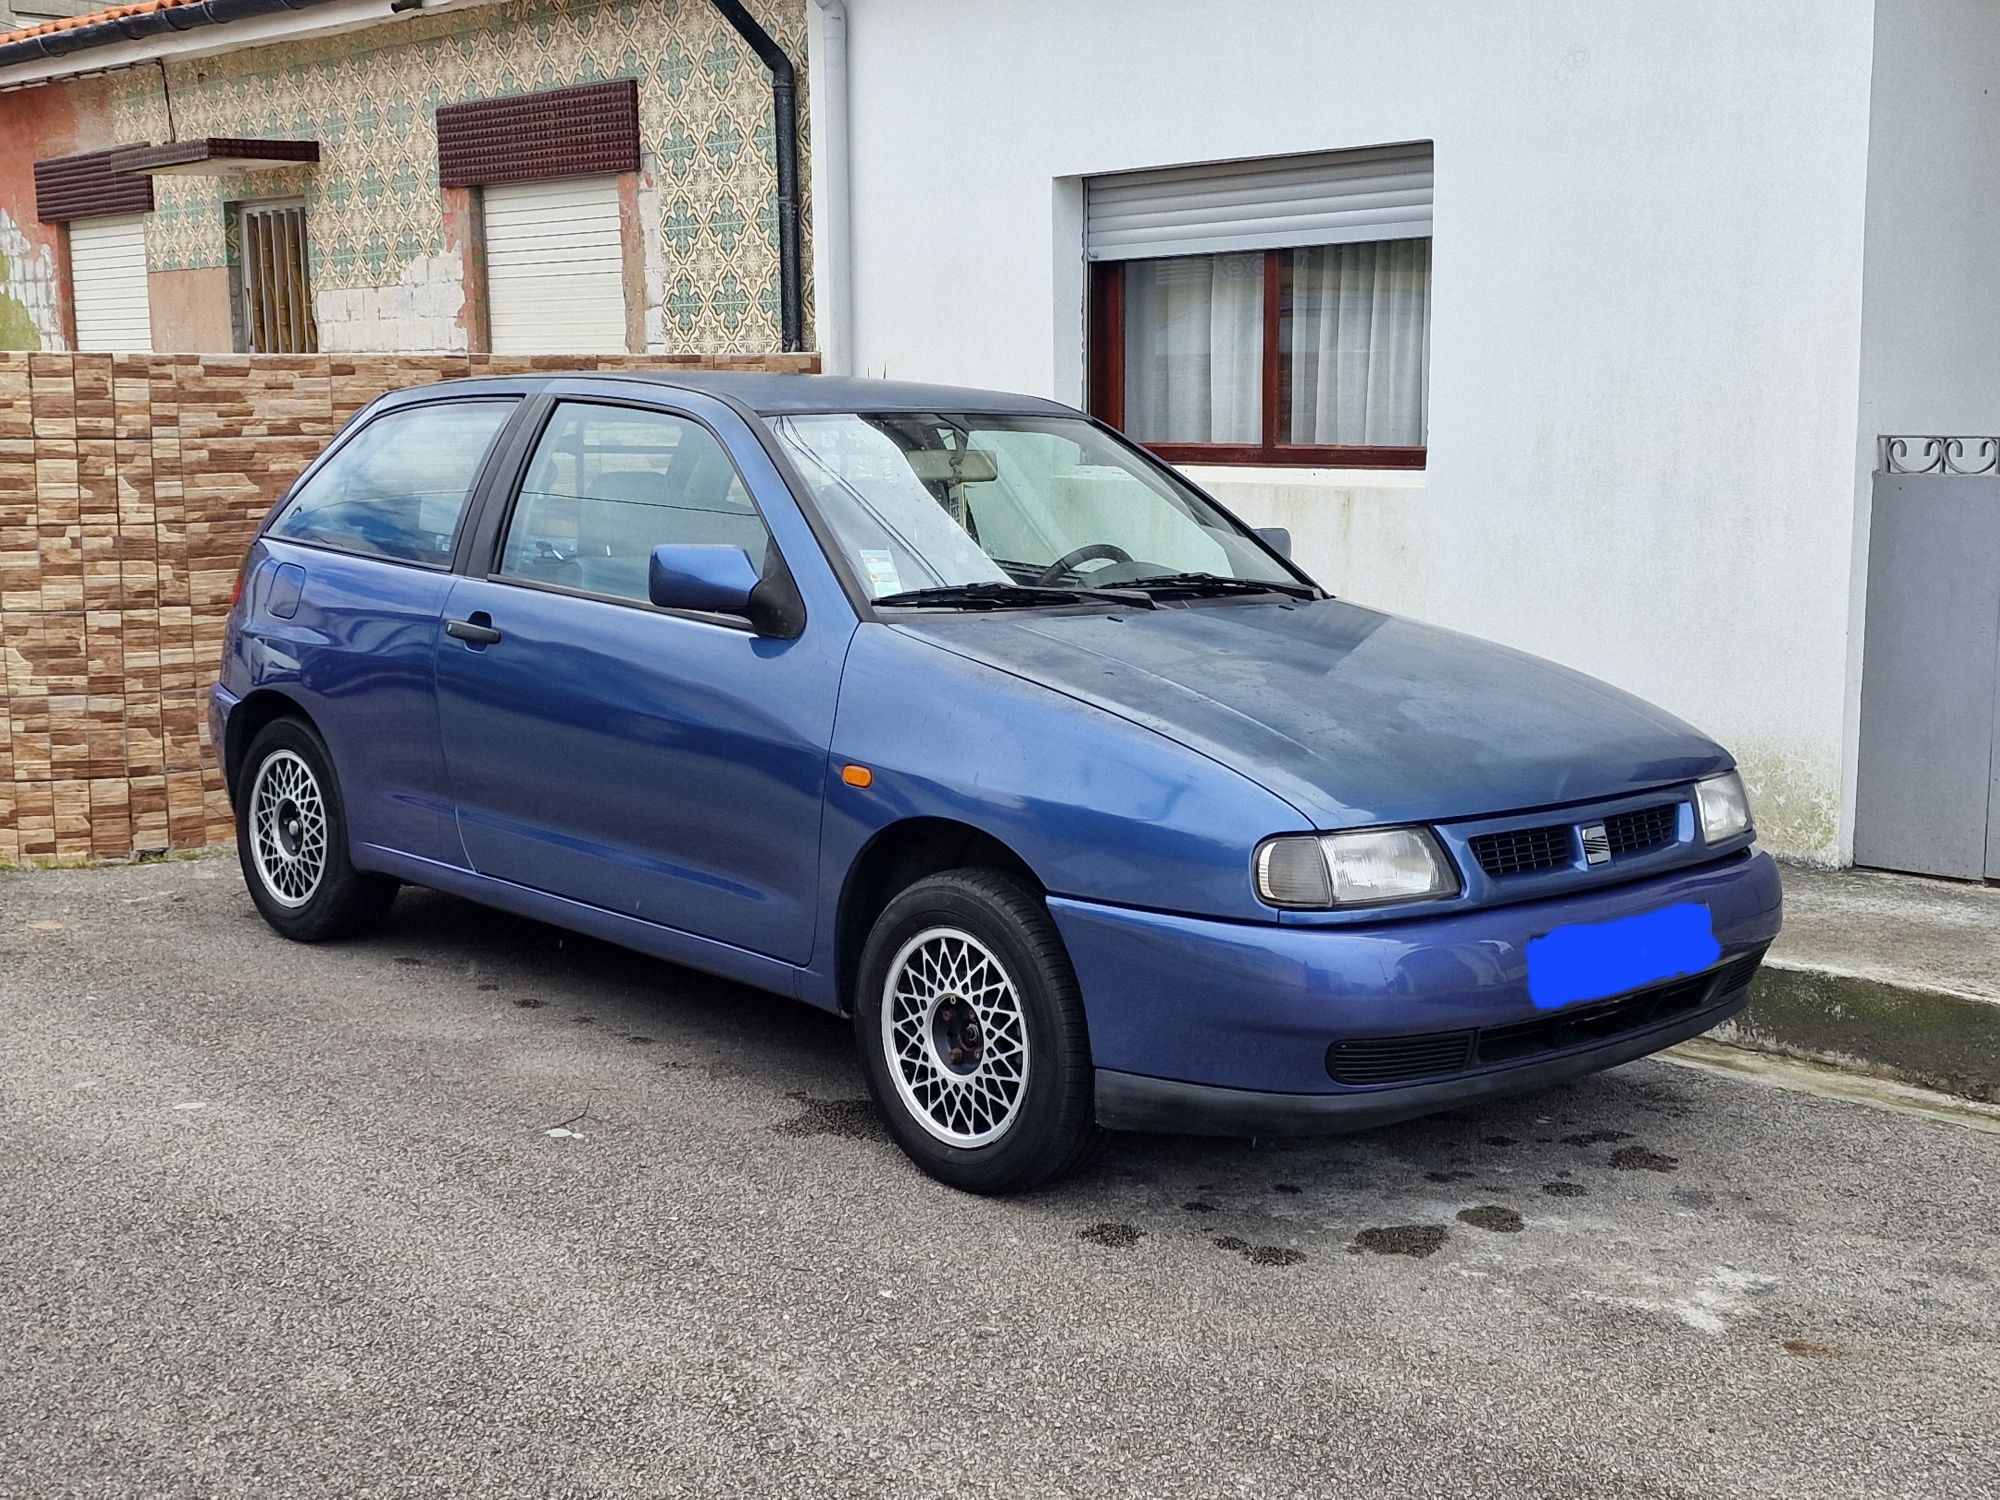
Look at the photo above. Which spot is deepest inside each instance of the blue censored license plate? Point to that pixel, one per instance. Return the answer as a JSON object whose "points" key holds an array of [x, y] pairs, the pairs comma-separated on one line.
{"points": [[1596, 960]]}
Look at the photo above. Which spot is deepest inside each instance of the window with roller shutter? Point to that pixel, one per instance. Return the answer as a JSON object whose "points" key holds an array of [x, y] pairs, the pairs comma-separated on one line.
{"points": [[555, 266], [107, 263], [546, 167], [1272, 311]]}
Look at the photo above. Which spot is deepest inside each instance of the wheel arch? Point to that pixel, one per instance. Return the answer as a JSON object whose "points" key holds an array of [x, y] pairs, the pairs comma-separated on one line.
{"points": [[894, 859], [247, 720]]}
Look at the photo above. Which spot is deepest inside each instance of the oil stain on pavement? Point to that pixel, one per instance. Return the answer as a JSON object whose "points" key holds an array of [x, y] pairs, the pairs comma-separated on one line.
{"points": [[1112, 1236], [1418, 1241], [850, 1119], [1491, 1216]]}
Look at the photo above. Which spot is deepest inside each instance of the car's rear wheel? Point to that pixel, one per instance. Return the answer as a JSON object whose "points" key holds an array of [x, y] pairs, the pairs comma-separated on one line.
{"points": [[972, 1034], [291, 839]]}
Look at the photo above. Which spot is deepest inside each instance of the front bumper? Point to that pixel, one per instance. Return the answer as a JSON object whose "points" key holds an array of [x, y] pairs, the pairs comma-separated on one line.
{"points": [[1128, 1101], [1200, 1025]]}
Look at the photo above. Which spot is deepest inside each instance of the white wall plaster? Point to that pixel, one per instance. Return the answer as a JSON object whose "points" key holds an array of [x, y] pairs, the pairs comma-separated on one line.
{"points": [[1646, 312], [656, 253], [29, 278], [418, 315]]}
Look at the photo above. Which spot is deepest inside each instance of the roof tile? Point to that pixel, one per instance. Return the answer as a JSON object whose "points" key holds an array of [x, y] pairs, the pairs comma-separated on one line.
{"points": [[92, 18]]}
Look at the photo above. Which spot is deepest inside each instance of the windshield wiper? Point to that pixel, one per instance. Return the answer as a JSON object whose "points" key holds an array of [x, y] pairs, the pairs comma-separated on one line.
{"points": [[1001, 597], [1193, 585], [1006, 596]]}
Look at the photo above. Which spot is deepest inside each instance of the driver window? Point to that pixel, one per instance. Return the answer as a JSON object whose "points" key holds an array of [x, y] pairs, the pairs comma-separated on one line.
{"points": [[608, 484], [397, 488]]}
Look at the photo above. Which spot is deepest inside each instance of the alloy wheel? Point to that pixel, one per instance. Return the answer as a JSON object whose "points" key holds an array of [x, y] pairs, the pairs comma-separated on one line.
{"points": [[288, 828], [955, 1037]]}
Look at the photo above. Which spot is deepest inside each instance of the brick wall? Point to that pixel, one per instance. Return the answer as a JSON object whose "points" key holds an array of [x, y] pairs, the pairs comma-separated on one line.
{"points": [[130, 486]]}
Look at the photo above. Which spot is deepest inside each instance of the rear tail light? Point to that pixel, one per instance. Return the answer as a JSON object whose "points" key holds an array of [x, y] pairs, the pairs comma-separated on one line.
{"points": [[236, 589]]}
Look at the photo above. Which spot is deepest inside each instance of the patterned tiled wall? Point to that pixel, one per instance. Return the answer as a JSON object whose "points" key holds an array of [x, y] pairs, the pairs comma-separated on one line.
{"points": [[130, 486], [370, 98]]}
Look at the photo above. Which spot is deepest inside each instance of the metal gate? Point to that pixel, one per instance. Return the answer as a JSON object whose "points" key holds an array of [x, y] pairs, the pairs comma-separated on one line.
{"points": [[1927, 796]]}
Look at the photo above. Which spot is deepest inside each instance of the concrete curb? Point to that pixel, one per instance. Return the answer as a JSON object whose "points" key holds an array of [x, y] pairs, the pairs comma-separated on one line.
{"points": [[1934, 1038]]}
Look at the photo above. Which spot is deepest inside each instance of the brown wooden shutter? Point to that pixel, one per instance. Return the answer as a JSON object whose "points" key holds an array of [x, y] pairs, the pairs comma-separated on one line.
{"points": [[576, 132], [88, 184]]}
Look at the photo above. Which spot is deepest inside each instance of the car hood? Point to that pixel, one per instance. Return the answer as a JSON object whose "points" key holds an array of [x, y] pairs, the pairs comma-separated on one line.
{"points": [[1353, 716]]}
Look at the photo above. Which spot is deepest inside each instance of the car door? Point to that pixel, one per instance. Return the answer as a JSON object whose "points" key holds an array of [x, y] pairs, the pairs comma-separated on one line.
{"points": [[343, 598], [664, 765]]}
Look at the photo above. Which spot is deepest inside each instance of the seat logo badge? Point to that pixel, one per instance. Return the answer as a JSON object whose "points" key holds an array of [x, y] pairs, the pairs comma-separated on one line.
{"points": [[1596, 844]]}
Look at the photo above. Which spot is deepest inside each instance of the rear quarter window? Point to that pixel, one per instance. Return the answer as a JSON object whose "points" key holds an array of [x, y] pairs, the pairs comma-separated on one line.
{"points": [[397, 489]]}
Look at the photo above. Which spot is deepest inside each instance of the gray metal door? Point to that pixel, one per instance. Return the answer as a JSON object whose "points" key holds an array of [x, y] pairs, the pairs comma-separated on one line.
{"points": [[1927, 797]]}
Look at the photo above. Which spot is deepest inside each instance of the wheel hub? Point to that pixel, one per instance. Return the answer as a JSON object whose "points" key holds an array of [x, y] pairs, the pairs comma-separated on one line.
{"points": [[956, 1034]]}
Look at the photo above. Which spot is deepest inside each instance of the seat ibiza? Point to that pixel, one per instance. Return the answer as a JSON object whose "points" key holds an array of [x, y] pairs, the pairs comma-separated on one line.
{"points": [[956, 713]]}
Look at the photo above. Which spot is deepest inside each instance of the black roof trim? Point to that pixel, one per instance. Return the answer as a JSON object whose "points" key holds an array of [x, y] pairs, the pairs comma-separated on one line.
{"points": [[45, 45]]}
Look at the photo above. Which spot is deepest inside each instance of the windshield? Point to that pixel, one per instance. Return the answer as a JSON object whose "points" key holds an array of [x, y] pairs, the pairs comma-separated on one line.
{"points": [[940, 500]]}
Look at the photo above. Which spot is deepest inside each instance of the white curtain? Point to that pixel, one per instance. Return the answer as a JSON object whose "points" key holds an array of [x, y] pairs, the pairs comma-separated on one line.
{"points": [[1356, 344], [1194, 348]]}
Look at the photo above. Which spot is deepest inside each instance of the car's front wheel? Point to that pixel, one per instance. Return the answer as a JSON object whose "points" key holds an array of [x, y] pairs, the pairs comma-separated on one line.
{"points": [[291, 838], [972, 1034]]}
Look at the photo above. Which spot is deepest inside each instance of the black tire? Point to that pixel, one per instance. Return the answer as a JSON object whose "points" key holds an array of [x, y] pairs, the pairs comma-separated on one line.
{"points": [[1046, 1117], [338, 900]]}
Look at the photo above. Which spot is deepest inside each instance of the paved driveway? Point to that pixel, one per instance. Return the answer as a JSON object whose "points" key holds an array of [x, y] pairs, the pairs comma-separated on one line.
{"points": [[289, 1221]]}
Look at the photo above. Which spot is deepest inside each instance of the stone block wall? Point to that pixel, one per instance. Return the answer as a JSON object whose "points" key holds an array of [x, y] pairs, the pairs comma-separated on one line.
{"points": [[130, 488]]}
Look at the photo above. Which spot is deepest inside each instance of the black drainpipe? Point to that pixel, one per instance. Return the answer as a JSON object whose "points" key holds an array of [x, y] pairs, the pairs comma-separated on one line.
{"points": [[785, 121]]}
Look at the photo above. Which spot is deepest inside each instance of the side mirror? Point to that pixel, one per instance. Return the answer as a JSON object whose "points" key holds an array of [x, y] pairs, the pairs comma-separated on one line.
{"points": [[722, 580], [687, 576], [1277, 538]]}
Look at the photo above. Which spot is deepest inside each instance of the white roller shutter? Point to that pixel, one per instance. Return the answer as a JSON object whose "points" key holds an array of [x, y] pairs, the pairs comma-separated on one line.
{"points": [[555, 266], [107, 264], [1332, 198]]}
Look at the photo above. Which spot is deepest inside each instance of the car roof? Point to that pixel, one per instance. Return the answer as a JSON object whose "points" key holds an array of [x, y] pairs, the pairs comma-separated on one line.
{"points": [[770, 394]]}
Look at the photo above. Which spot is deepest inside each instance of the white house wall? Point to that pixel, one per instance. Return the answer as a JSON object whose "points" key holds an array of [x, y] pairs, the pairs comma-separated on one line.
{"points": [[1646, 314]]}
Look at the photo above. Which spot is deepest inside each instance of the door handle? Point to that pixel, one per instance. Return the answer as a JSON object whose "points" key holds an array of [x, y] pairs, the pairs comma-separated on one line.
{"points": [[476, 631]]}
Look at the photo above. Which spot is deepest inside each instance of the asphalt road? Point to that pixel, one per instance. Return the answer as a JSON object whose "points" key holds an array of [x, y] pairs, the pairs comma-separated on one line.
{"points": [[290, 1221]]}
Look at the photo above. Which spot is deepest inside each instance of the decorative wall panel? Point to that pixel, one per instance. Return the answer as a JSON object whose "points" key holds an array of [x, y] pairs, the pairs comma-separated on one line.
{"points": [[370, 98]]}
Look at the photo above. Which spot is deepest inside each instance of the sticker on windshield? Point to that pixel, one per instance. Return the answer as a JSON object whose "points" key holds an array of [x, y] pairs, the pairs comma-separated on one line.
{"points": [[881, 570]]}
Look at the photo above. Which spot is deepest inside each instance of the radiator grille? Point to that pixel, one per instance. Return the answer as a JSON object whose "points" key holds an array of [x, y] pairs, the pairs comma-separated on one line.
{"points": [[1394, 1059], [1409, 1059], [1580, 1025], [1521, 851], [1645, 828]]}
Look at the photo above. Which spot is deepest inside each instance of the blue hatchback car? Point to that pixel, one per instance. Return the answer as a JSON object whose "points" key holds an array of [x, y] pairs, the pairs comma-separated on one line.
{"points": [[959, 714]]}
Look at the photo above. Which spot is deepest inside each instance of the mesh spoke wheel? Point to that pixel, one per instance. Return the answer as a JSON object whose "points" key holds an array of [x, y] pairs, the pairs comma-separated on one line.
{"points": [[288, 828], [955, 1037]]}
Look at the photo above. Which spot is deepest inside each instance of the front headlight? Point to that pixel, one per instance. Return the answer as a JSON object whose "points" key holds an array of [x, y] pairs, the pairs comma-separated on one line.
{"points": [[1724, 807], [1318, 871]]}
